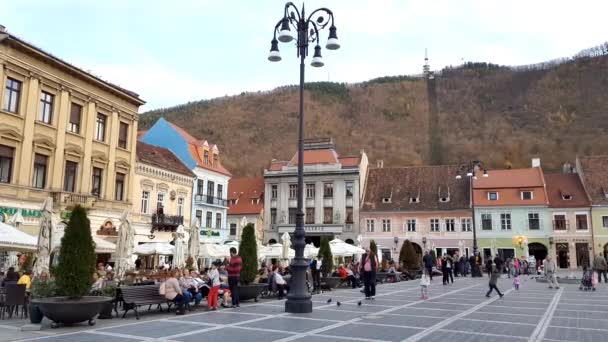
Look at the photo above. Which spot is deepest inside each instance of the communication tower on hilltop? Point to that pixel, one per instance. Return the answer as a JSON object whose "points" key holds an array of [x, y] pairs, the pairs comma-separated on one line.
{"points": [[426, 68]]}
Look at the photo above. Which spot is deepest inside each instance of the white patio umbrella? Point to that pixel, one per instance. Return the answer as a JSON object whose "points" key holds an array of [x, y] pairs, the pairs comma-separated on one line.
{"points": [[213, 251], [178, 256], [16, 219], [194, 246], [341, 248], [310, 251], [12, 239], [45, 238], [286, 245], [460, 247], [243, 224], [125, 245], [493, 247], [152, 248], [275, 251]]}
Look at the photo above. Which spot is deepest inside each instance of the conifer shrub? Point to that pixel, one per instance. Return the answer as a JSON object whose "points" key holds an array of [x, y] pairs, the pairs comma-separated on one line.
{"points": [[248, 250]]}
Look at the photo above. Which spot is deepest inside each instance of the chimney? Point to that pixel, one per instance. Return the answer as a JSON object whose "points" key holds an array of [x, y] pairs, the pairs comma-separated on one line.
{"points": [[380, 163], [535, 162]]}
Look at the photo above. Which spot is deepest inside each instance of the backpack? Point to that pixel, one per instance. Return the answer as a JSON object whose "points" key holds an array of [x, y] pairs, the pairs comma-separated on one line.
{"points": [[161, 289]]}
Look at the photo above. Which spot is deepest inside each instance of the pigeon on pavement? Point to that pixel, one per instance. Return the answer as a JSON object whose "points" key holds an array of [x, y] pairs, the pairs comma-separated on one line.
{"points": [[329, 300], [359, 304], [338, 303]]}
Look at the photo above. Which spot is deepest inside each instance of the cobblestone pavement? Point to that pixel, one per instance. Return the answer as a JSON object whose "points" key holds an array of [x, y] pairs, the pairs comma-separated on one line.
{"points": [[458, 312]]}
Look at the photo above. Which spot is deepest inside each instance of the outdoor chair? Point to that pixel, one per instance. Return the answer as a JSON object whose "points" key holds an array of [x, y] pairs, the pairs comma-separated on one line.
{"points": [[15, 298]]}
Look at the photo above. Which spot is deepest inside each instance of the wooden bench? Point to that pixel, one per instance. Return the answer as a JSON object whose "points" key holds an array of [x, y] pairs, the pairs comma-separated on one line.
{"points": [[135, 296]]}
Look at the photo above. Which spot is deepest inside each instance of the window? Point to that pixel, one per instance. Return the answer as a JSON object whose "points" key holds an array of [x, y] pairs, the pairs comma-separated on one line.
{"points": [[605, 221], [273, 191], [69, 179], [559, 222], [210, 188], [100, 127], [293, 191], [450, 225], [566, 197], [273, 216], [160, 200], [12, 97], [292, 215], [414, 199], [527, 195], [180, 206], [444, 199], [349, 188], [310, 215], [410, 225], [581, 222], [45, 112], [199, 218], [220, 191], [533, 221], [200, 187], [386, 200], [215, 159], [39, 179], [386, 225], [486, 221], [465, 224], [369, 223], [328, 214], [435, 227], [145, 198], [233, 229], [120, 186], [310, 191], [505, 221], [96, 182], [349, 215], [206, 157], [492, 196], [218, 220], [123, 133], [6, 163], [328, 190], [75, 115], [209, 219]]}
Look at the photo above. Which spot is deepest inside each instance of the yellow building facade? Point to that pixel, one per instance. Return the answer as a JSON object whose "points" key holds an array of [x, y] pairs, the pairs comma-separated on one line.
{"points": [[64, 134]]}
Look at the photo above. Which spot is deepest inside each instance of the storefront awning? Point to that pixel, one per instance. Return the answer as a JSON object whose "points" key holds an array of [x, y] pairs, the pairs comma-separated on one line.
{"points": [[13, 239]]}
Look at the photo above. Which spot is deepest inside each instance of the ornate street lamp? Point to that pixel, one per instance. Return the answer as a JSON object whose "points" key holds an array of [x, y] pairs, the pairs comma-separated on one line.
{"points": [[470, 168], [307, 30]]}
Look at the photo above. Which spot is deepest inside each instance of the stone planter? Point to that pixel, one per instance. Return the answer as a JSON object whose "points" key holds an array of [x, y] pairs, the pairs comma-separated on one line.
{"points": [[106, 311], [251, 291], [64, 310]]}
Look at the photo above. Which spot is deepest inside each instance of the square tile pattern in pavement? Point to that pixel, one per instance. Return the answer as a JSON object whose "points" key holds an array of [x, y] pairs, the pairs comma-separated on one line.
{"points": [[457, 312]]}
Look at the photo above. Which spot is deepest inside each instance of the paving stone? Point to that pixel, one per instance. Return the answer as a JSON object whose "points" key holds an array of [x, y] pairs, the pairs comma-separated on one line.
{"points": [[504, 318], [425, 312], [412, 321], [578, 314], [600, 323], [217, 317], [155, 329], [83, 336], [289, 324], [367, 331], [506, 329], [454, 336], [459, 307], [331, 314], [261, 309], [233, 334], [511, 310], [316, 338], [575, 335]]}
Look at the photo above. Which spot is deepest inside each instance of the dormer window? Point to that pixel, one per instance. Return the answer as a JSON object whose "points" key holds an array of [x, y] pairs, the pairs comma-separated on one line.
{"points": [[444, 199], [414, 199], [206, 157], [386, 200], [215, 159], [492, 196], [566, 197], [527, 195]]}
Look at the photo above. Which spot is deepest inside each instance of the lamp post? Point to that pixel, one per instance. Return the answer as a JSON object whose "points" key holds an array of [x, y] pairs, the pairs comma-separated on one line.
{"points": [[471, 168], [307, 29]]}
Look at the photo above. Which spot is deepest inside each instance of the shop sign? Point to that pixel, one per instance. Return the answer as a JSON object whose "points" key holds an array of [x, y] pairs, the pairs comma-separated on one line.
{"points": [[24, 212], [209, 233]]}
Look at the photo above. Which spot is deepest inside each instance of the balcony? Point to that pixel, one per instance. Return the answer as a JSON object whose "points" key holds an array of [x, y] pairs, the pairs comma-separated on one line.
{"points": [[313, 228], [166, 223], [206, 199], [70, 199], [561, 225]]}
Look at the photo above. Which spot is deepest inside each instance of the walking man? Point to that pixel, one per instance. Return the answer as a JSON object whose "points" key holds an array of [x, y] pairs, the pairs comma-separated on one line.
{"points": [[315, 269], [427, 260], [496, 271], [234, 276], [600, 266], [550, 268]]}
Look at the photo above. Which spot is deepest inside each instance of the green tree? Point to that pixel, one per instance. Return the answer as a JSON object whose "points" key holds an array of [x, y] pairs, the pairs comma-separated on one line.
{"points": [[77, 257], [327, 263], [373, 247], [408, 258], [248, 250]]}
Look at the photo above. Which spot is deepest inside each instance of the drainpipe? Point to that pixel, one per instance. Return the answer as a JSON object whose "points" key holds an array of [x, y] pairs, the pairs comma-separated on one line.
{"points": [[592, 236]]}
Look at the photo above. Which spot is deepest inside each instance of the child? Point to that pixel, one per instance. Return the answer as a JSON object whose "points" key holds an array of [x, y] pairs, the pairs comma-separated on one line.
{"points": [[425, 282], [594, 280], [516, 281]]}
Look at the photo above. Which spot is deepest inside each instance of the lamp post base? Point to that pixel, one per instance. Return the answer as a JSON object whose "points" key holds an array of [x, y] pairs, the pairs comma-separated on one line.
{"points": [[298, 299], [298, 305]]}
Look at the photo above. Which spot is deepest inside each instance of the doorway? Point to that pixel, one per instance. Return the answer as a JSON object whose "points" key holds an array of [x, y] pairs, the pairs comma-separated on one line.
{"points": [[562, 250], [582, 254], [506, 253]]}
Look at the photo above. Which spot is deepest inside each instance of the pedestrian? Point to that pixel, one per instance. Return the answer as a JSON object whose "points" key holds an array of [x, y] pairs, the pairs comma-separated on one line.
{"points": [[214, 287], [427, 260], [472, 266], [425, 282], [369, 265], [462, 266], [600, 266], [315, 268], [489, 266], [494, 280], [234, 276], [550, 268], [446, 269], [516, 282]]}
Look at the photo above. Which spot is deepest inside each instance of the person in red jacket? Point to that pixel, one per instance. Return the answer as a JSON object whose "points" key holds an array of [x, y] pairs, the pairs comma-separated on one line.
{"points": [[234, 276]]}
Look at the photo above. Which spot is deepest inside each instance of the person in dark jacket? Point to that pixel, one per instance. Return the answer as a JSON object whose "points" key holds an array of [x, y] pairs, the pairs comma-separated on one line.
{"points": [[496, 271], [473, 266], [11, 277], [489, 266], [369, 265], [427, 260], [446, 268], [234, 276]]}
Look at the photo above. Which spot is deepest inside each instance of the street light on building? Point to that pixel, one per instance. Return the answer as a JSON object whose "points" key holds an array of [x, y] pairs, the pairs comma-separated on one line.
{"points": [[471, 168], [307, 31]]}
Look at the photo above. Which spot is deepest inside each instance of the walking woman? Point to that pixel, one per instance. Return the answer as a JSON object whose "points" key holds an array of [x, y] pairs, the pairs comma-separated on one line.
{"points": [[369, 264]]}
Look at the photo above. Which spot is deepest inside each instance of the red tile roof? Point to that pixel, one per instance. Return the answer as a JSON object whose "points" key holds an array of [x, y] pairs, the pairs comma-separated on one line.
{"points": [[324, 156], [141, 134], [197, 148], [562, 184], [244, 191], [595, 178], [509, 184], [161, 158]]}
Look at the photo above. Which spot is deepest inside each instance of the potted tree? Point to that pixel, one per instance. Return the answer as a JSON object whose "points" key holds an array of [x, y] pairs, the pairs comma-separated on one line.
{"points": [[106, 311], [41, 288], [248, 250], [327, 265], [73, 276]]}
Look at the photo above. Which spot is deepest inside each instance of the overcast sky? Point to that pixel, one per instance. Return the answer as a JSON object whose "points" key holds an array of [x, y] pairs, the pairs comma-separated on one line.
{"points": [[171, 52]]}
